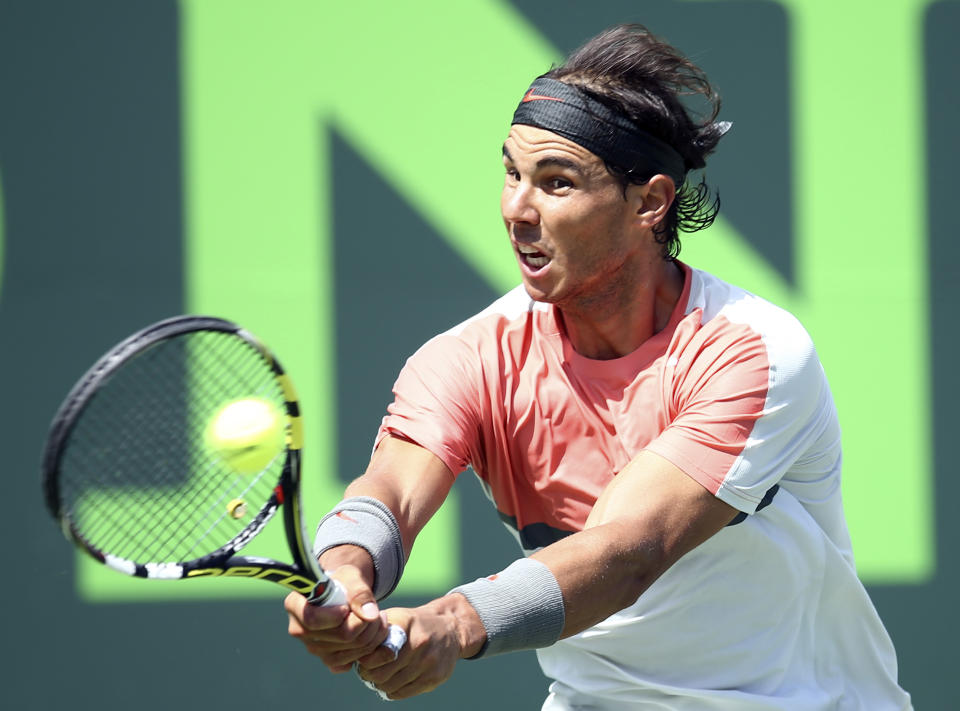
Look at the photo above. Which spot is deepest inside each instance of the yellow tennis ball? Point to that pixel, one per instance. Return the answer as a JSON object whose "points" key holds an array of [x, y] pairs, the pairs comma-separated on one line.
{"points": [[246, 434]]}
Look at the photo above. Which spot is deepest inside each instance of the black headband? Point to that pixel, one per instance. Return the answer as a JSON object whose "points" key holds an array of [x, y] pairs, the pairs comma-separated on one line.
{"points": [[565, 110]]}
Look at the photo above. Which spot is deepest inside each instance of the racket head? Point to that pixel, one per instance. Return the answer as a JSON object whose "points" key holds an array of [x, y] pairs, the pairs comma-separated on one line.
{"points": [[131, 480]]}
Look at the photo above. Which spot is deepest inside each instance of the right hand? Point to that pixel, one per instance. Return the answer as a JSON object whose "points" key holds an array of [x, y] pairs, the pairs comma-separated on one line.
{"points": [[340, 634], [439, 633]]}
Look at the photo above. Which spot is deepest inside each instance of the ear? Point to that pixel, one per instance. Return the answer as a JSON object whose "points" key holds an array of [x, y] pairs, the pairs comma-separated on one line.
{"points": [[655, 198]]}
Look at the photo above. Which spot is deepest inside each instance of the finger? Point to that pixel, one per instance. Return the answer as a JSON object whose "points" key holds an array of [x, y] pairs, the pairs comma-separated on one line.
{"points": [[331, 619], [397, 679], [381, 665], [412, 680], [352, 632], [377, 657], [393, 643], [294, 603], [337, 661], [330, 660], [337, 653], [347, 657], [359, 595], [371, 637], [311, 617], [299, 627], [339, 656], [414, 688]]}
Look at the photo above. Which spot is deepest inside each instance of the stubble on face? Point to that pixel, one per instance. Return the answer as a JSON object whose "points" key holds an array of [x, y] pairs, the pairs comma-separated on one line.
{"points": [[568, 221]]}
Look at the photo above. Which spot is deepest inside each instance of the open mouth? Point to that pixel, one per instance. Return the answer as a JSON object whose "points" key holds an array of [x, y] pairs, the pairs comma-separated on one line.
{"points": [[532, 258]]}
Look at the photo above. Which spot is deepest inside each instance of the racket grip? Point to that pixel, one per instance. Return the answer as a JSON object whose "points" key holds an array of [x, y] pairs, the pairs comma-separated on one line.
{"points": [[328, 594]]}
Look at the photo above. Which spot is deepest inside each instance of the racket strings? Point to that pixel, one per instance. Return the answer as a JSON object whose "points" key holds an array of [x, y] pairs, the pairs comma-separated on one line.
{"points": [[182, 517], [219, 510], [139, 482], [126, 471], [237, 488]]}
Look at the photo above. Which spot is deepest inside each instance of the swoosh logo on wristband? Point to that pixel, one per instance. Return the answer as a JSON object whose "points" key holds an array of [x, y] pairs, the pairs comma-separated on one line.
{"points": [[343, 515]]}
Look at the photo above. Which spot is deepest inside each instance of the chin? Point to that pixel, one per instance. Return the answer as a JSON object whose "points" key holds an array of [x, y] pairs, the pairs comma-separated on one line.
{"points": [[537, 294]]}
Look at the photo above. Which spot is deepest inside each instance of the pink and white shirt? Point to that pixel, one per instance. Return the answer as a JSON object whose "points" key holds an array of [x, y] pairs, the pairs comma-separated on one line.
{"points": [[731, 391]]}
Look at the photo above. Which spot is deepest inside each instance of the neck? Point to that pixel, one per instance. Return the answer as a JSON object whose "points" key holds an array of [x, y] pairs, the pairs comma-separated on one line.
{"points": [[616, 323]]}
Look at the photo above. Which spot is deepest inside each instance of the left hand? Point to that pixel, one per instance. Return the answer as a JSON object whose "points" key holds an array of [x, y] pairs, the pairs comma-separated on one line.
{"points": [[438, 634], [340, 634]]}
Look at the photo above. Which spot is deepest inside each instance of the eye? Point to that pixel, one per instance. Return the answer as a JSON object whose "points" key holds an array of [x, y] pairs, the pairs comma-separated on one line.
{"points": [[558, 184]]}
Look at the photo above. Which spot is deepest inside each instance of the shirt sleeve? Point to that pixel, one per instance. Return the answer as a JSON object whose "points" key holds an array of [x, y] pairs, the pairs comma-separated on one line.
{"points": [[436, 401], [746, 404]]}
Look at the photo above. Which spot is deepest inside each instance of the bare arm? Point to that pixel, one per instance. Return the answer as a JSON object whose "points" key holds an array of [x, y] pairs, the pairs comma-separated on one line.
{"points": [[413, 483], [649, 516], [410, 480]]}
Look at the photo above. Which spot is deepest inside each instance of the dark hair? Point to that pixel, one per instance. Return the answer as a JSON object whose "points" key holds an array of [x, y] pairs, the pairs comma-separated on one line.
{"points": [[633, 72]]}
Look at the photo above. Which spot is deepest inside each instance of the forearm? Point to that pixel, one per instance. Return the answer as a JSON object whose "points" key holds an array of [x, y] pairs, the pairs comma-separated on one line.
{"points": [[647, 518], [373, 528], [559, 591], [600, 571], [409, 480]]}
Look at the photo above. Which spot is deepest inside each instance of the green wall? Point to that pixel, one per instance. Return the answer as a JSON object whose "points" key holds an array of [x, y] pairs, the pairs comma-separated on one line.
{"points": [[328, 175]]}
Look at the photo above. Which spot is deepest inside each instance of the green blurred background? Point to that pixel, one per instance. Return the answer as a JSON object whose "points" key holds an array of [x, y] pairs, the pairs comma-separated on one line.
{"points": [[328, 173]]}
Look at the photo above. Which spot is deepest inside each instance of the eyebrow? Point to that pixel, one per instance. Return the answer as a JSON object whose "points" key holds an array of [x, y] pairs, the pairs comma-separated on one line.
{"points": [[550, 162]]}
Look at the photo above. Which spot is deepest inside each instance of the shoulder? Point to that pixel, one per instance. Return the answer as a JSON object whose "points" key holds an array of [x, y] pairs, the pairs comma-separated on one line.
{"points": [[453, 376], [716, 298], [735, 316], [733, 341]]}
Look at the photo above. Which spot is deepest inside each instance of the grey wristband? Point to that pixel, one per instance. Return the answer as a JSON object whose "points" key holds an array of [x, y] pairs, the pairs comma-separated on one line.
{"points": [[366, 522], [520, 607]]}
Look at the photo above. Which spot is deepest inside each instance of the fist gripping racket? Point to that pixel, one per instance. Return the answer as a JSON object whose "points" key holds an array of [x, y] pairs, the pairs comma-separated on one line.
{"points": [[174, 451]]}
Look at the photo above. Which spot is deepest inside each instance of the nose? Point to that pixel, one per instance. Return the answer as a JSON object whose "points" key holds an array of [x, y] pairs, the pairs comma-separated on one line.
{"points": [[516, 206]]}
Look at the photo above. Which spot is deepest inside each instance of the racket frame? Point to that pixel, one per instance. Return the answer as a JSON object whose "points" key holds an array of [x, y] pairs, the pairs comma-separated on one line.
{"points": [[303, 575]]}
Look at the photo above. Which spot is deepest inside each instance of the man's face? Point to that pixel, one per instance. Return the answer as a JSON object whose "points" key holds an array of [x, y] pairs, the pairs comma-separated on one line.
{"points": [[573, 233]]}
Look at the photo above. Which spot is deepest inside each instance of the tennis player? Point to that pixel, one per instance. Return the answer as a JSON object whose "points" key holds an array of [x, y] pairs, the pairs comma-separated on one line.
{"points": [[663, 444]]}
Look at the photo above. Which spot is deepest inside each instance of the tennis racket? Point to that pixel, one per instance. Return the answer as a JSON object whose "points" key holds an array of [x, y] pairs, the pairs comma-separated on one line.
{"points": [[130, 477]]}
